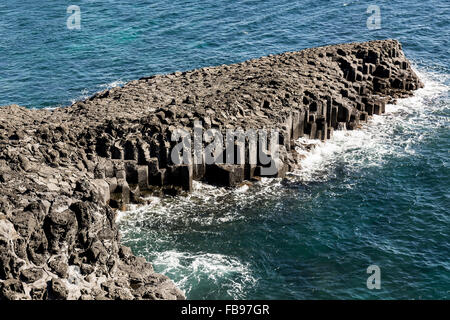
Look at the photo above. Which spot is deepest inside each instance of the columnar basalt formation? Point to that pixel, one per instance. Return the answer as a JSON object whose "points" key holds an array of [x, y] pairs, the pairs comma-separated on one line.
{"points": [[63, 172]]}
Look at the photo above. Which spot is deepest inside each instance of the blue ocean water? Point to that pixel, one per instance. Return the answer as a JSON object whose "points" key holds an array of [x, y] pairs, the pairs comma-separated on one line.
{"points": [[377, 196]]}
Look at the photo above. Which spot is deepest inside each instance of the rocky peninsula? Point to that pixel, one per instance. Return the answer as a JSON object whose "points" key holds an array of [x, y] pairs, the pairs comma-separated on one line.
{"points": [[65, 172]]}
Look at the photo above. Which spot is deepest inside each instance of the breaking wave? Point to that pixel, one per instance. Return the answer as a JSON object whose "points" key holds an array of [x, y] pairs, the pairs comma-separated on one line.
{"points": [[384, 136]]}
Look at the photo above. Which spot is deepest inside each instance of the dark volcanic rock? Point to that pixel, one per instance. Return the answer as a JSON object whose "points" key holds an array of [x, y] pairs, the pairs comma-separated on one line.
{"points": [[63, 171]]}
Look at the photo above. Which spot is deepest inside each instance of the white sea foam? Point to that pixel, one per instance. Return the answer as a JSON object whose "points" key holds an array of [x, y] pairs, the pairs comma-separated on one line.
{"points": [[384, 136], [190, 269], [83, 96], [114, 84], [206, 205]]}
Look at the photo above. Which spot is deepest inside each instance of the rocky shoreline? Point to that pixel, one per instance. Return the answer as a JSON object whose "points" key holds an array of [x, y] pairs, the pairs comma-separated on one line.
{"points": [[65, 172]]}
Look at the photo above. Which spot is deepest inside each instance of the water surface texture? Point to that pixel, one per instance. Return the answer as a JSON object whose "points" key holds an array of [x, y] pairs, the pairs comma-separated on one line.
{"points": [[377, 196]]}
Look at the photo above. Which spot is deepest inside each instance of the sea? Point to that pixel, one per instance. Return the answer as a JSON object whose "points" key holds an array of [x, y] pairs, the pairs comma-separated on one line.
{"points": [[371, 199]]}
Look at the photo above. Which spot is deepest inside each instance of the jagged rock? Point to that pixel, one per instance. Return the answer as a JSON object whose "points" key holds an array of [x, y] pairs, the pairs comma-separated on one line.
{"points": [[12, 289], [58, 266], [58, 290], [31, 275]]}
